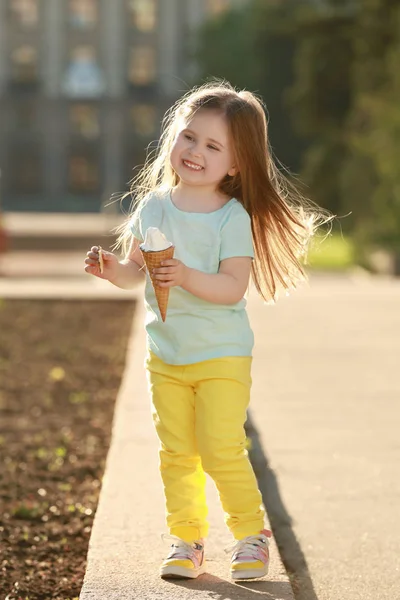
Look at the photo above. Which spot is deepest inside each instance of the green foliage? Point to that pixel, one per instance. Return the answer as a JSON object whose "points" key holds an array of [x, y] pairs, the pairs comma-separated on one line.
{"points": [[320, 98], [375, 126], [226, 49], [329, 73], [345, 97], [253, 48], [335, 253], [29, 510]]}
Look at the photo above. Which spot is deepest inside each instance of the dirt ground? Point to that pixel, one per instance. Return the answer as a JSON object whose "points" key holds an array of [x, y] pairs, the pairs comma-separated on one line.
{"points": [[60, 369]]}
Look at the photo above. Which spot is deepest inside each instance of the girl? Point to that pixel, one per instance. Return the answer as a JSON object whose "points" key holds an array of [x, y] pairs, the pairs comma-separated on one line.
{"points": [[215, 193]]}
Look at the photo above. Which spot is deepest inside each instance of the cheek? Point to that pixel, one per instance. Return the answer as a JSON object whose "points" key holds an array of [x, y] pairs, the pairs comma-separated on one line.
{"points": [[174, 156], [222, 165]]}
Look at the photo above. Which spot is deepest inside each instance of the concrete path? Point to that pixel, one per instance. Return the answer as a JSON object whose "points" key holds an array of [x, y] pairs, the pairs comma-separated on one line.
{"points": [[28, 264], [71, 288], [45, 274], [125, 548], [41, 225], [326, 402]]}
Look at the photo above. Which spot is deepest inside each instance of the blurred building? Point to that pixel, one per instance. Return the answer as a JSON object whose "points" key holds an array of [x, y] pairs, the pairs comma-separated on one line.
{"points": [[83, 86]]}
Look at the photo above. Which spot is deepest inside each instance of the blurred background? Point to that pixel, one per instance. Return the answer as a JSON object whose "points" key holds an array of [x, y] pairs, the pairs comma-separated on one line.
{"points": [[84, 85]]}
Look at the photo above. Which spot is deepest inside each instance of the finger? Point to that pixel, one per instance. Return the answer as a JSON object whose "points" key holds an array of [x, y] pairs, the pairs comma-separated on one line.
{"points": [[161, 277], [165, 283], [164, 270], [91, 262], [93, 255], [170, 262], [95, 249], [92, 269]]}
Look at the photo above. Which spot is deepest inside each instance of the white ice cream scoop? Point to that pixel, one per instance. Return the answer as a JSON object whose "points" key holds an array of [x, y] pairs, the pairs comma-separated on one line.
{"points": [[155, 241]]}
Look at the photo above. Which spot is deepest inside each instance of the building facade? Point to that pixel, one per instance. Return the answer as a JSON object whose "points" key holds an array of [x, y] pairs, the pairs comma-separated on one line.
{"points": [[83, 87]]}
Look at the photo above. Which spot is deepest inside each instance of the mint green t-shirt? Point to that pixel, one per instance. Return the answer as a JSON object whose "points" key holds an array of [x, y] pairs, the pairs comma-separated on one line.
{"points": [[196, 330]]}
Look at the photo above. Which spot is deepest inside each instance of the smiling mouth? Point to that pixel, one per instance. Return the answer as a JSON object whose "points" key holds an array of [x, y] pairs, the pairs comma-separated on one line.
{"points": [[192, 166]]}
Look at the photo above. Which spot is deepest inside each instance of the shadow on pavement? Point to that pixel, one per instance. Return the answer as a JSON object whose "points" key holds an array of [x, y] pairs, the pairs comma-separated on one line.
{"points": [[220, 589], [281, 523]]}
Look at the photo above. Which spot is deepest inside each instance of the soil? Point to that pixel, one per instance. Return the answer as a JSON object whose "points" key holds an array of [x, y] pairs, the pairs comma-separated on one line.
{"points": [[61, 364]]}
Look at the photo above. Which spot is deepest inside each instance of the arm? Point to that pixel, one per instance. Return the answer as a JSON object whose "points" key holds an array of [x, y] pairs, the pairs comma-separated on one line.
{"points": [[129, 271], [124, 274], [228, 286]]}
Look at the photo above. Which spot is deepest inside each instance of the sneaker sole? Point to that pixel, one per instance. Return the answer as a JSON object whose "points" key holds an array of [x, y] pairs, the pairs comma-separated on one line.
{"points": [[249, 574], [181, 572]]}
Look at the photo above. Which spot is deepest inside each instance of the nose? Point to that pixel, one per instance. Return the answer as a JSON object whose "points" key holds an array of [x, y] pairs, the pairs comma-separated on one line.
{"points": [[194, 149], [195, 154]]}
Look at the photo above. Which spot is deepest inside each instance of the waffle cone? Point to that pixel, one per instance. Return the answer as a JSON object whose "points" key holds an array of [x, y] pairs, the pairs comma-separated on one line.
{"points": [[153, 260]]}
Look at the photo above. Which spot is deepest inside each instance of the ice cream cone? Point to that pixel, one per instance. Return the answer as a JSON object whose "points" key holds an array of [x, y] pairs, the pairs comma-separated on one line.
{"points": [[153, 260]]}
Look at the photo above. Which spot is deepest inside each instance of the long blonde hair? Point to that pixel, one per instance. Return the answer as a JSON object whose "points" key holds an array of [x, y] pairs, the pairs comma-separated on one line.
{"points": [[282, 220]]}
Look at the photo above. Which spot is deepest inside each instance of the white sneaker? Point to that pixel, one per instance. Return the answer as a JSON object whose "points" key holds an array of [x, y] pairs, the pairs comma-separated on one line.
{"points": [[185, 560], [250, 556]]}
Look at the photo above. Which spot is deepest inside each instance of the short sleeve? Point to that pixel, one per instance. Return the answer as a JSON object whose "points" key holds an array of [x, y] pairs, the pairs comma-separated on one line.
{"points": [[236, 236], [135, 225], [146, 214]]}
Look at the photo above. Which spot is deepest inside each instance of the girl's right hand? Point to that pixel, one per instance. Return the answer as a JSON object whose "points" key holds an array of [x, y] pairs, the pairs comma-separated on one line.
{"points": [[92, 263]]}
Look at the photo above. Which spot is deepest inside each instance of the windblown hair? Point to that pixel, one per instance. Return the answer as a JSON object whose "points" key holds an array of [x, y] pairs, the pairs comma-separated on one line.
{"points": [[282, 220]]}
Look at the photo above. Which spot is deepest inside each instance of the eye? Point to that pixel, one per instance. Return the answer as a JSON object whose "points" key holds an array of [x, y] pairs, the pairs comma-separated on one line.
{"points": [[213, 147], [188, 137]]}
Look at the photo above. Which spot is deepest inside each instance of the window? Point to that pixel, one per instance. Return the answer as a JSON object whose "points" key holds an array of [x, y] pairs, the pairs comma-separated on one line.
{"points": [[84, 121], [25, 169], [83, 172], [142, 65], [83, 14], [83, 54], [143, 14], [23, 116], [134, 161], [215, 7], [24, 12], [143, 119], [24, 64], [84, 77]]}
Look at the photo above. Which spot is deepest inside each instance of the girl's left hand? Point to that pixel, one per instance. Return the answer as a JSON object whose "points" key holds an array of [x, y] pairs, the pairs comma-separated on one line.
{"points": [[172, 272]]}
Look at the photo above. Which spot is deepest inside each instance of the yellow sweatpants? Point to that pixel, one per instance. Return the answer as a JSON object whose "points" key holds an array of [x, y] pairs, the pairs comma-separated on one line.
{"points": [[199, 411]]}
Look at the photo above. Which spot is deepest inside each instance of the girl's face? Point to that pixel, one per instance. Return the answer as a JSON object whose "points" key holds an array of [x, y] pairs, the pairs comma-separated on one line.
{"points": [[202, 154]]}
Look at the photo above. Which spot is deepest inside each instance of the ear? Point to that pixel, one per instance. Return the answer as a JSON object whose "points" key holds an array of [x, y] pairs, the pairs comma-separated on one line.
{"points": [[232, 171]]}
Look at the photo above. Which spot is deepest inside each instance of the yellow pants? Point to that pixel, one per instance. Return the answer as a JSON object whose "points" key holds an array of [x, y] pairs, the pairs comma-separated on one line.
{"points": [[199, 411]]}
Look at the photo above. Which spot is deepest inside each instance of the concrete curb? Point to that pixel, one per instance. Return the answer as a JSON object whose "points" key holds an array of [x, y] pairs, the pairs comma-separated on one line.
{"points": [[59, 231], [125, 548], [91, 288]]}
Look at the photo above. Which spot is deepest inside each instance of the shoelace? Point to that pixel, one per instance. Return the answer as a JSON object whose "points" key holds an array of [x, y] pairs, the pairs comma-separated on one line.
{"points": [[248, 545], [184, 549]]}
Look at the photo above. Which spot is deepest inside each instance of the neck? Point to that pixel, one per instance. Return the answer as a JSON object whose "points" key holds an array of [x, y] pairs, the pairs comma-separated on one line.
{"points": [[195, 197]]}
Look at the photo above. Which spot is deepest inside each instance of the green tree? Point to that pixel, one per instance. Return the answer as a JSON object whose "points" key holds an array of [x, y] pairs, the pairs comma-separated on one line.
{"points": [[253, 48], [329, 72], [346, 99], [320, 98], [371, 179]]}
